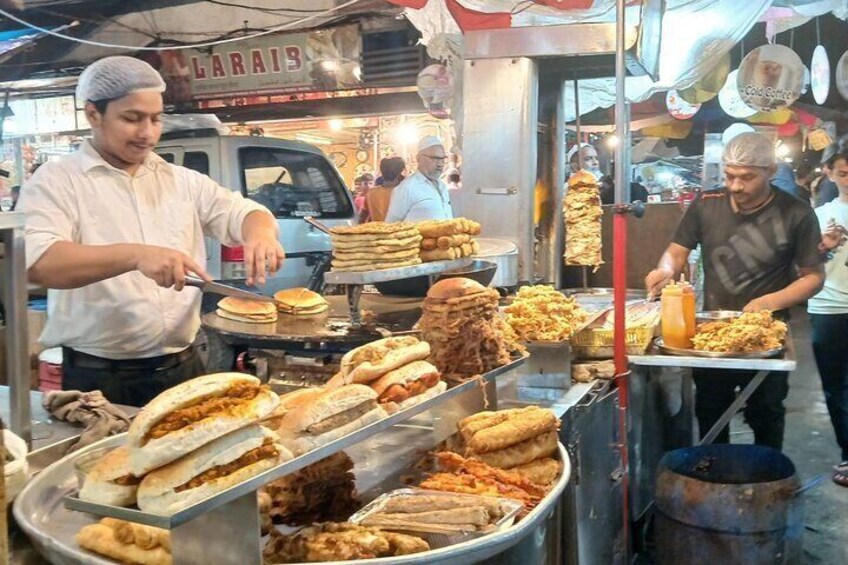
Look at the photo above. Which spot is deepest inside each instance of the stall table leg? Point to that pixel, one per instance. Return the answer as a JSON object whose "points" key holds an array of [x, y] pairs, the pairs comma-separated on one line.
{"points": [[731, 411], [227, 535]]}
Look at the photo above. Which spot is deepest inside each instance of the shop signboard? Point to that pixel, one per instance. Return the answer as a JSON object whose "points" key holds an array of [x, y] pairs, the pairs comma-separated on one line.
{"points": [[318, 60], [842, 75], [679, 108], [770, 77], [44, 115], [731, 102]]}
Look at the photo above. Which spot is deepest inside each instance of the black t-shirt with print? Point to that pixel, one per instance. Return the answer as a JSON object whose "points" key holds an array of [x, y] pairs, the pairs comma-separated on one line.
{"points": [[747, 256]]}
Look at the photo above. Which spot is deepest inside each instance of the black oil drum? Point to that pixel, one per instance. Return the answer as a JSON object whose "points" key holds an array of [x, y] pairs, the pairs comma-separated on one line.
{"points": [[718, 504]]}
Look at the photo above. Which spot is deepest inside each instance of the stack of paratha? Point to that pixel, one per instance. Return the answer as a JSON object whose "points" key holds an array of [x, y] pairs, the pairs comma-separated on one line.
{"points": [[375, 245]]}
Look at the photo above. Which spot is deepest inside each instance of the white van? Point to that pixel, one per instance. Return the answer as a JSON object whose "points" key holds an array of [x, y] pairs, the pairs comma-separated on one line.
{"points": [[293, 179]]}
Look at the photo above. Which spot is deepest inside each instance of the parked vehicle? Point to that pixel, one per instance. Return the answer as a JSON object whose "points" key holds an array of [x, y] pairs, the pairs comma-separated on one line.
{"points": [[293, 179]]}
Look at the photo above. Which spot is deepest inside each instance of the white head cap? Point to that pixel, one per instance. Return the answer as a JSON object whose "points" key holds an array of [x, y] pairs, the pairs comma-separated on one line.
{"points": [[428, 142], [115, 77], [574, 150], [749, 149]]}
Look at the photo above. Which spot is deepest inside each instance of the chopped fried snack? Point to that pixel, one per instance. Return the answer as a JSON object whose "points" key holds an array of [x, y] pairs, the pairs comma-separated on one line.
{"points": [[322, 491], [469, 476], [150, 546], [541, 313], [752, 331], [467, 337], [583, 213], [339, 542]]}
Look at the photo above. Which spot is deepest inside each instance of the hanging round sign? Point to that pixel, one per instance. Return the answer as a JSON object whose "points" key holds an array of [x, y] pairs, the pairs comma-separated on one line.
{"points": [[731, 102], [678, 107], [820, 74], [709, 85], [770, 77], [734, 130], [842, 75]]}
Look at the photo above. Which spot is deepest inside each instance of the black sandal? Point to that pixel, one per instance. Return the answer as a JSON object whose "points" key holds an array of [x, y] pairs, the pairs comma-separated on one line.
{"points": [[840, 474]]}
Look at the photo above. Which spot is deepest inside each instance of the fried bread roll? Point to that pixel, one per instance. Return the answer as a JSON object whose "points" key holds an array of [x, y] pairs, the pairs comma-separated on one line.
{"points": [[521, 453], [513, 430], [101, 539]]}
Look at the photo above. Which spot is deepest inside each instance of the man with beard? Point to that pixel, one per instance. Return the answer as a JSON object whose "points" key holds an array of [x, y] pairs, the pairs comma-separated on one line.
{"points": [[113, 230], [762, 251], [423, 196]]}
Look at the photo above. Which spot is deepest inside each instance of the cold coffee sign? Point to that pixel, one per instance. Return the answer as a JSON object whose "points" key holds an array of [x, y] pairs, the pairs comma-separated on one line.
{"points": [[770, 77], [320, 60]]}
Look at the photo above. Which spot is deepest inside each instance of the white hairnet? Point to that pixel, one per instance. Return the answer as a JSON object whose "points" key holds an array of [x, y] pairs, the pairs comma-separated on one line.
{"points": [[115, 77], [428, 142], [749, 149], [574, 150]]}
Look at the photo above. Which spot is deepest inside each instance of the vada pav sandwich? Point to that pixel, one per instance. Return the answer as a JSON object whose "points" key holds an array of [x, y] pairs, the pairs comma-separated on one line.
{"points": [[248, 311], [409, 385], [215, 467], [109, 481], [329, 416], [194, 413], [300, 302]]}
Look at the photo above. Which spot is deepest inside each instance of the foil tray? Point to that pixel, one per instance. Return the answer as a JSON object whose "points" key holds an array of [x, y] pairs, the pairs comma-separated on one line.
{"points": [[766, 354], [510, 509]]}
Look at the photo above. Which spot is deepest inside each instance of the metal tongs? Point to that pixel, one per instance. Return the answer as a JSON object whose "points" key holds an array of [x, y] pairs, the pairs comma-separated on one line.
{"points": [[316, 224]]}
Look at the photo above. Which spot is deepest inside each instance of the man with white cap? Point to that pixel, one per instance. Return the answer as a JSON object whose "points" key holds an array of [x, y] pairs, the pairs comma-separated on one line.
{"points": [[423, 196], [584, 157], [762, 250], [113, 230]]}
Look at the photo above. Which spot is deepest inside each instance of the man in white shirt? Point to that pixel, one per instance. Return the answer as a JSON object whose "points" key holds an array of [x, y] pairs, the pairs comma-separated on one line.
{"points": [[112, 231], [423, 196]]}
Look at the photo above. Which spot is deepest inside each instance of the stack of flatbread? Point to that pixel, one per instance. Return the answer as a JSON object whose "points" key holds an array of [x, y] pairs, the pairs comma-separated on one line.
{"points": [[448, 239], [375, 245], [583, 213]]}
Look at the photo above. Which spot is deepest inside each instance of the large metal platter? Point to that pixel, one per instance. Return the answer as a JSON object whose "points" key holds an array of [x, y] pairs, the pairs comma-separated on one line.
{"points": [[767, 354], [383, 315], [41, 513], [53, 528]]}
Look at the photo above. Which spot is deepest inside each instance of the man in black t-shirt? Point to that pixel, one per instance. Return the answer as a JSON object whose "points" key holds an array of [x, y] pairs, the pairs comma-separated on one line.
{"points": [[761, 251]]}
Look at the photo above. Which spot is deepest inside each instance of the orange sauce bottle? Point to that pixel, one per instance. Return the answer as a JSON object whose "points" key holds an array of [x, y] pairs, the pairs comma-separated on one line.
{"points": [[678, 314]]}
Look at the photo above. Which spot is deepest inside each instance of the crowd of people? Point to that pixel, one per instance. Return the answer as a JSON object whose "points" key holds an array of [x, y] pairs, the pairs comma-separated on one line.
{"points": [[396, 197]]}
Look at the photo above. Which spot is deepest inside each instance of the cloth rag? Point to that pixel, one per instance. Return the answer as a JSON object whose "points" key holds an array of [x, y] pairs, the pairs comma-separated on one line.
{"points": [[92, 410]]}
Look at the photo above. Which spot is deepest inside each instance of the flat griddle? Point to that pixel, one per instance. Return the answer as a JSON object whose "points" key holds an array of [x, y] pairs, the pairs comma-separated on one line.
{"points": [[383, 316]]}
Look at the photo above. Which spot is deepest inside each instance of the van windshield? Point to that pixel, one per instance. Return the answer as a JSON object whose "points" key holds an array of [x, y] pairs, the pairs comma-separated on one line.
{"points": [[293, 184]]}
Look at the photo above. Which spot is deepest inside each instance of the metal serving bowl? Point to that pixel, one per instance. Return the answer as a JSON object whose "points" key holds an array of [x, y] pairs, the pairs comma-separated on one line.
{"points": [[479, 270]]}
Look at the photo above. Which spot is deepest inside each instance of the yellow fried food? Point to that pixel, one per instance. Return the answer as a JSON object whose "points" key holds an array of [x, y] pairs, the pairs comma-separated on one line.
{"points": [[540, 313], [752, 331]]}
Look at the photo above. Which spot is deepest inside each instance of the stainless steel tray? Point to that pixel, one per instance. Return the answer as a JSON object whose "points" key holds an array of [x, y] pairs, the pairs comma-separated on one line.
{"points": [[510, 509], [480, 549], [39, 483], [52, 527], [398, 273], [717, 315], [767, 354]]}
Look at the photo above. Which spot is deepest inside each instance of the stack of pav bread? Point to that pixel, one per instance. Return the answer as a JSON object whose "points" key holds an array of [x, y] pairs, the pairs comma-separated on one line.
{"points": [[461, 323], [300, 301], [374, 246], [247, 311], [190, 442], [522, 440], [395, 368], [448, 239]]}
